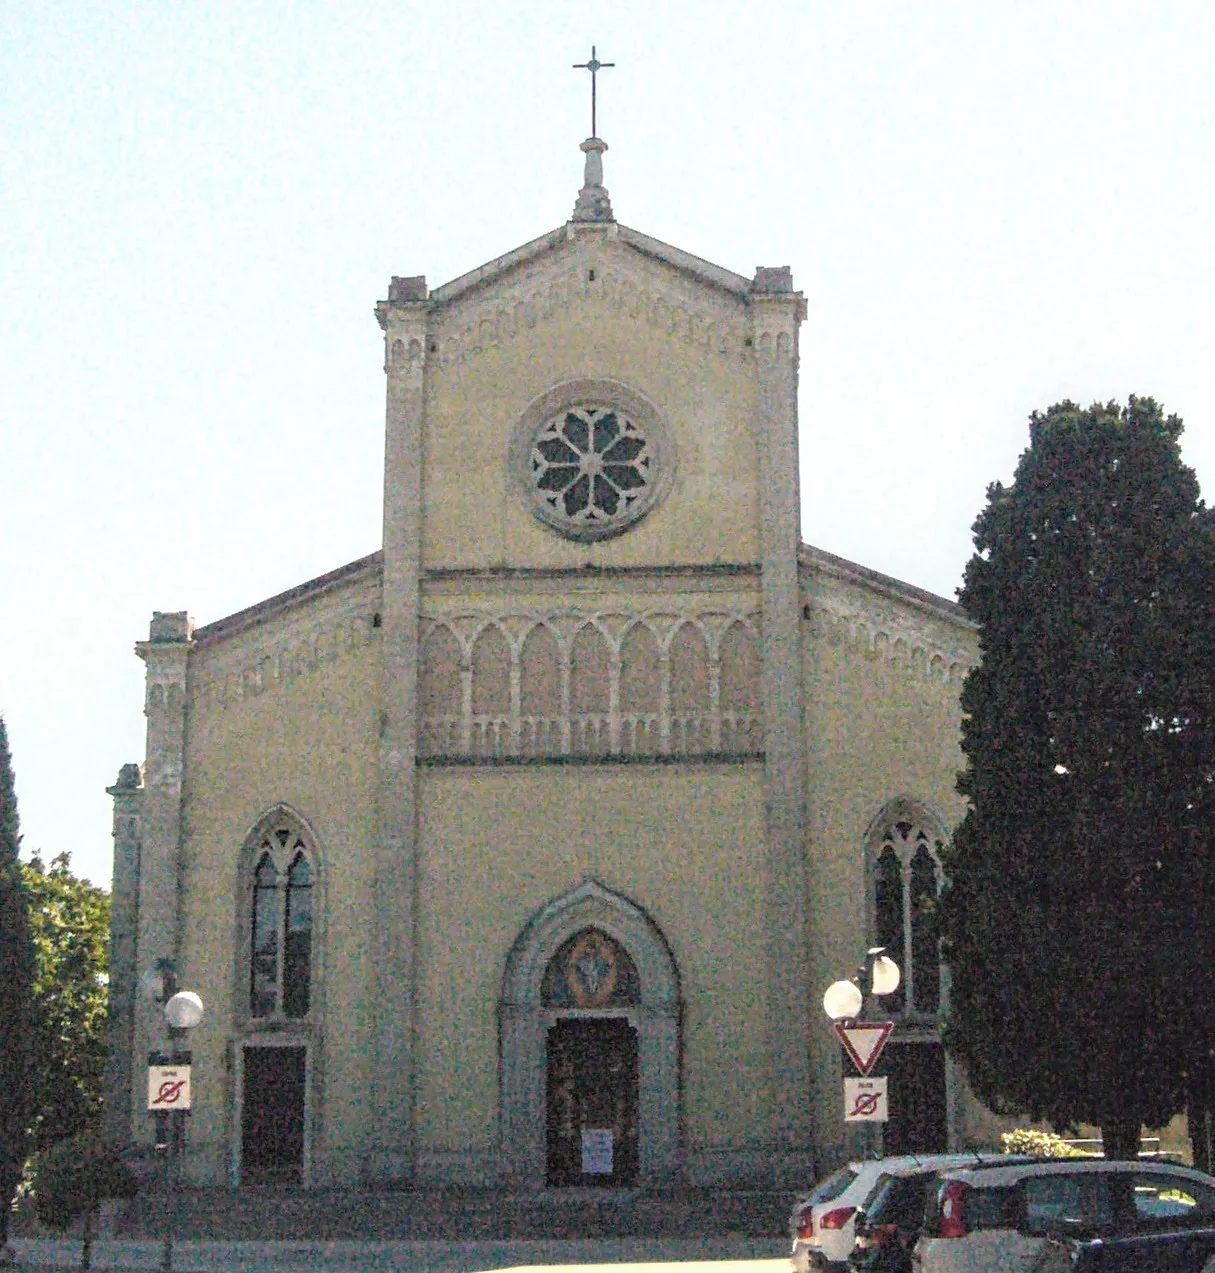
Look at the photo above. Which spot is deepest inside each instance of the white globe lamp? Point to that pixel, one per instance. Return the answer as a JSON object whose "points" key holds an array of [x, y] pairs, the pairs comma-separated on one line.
{"points": [[886, 975], [843, 1000], [184, 1010]]}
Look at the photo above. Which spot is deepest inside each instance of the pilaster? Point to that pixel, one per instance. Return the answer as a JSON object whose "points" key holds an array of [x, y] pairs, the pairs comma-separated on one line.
{"points": [[127, 794], [157, 907], [776, 313], [403, 318]]}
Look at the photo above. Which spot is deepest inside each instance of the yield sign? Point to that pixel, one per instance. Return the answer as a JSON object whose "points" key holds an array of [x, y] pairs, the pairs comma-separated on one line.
{"points": [[864, 1043]]}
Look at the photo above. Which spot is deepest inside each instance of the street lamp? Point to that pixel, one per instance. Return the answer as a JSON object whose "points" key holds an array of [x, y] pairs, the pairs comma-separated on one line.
{"points": [[169, 1081], [844, 1000], [184, 1010]]}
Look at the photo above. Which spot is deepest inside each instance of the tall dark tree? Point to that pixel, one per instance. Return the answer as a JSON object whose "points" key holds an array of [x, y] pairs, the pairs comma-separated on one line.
{"points": [[70, 930], [16, 997], [1078, 918]]}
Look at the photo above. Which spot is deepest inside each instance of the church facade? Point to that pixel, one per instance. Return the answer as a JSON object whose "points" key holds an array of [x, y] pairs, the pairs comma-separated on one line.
{"points": [[520, 852]]}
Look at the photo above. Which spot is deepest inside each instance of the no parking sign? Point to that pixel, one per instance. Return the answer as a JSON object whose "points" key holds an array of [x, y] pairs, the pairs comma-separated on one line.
{"points": [[168, 1084], [865, 1101]]}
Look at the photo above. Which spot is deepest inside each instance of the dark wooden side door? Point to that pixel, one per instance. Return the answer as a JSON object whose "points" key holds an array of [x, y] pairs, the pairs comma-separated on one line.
{"points": [[591, 1105], [916, 1092], [272, 1116]]}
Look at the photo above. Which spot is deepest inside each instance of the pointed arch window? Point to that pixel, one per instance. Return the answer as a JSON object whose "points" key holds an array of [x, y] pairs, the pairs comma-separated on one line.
{"points": [[906, 882], [281, 926]]}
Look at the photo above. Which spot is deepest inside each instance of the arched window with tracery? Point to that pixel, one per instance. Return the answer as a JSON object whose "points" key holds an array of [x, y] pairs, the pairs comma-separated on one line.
{"points": [[280, 918], [906, 883]]}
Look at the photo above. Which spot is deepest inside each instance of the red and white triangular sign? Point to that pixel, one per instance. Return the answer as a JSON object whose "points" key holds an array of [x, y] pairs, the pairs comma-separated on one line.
{"points": [[864, 1043]]}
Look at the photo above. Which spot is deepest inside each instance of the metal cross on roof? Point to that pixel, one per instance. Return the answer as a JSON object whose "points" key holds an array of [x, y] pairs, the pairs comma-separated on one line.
{"points": [[594, 66]]}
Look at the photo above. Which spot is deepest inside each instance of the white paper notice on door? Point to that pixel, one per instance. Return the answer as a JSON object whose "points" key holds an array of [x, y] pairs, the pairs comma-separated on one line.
{"points": [[596, 1151]]}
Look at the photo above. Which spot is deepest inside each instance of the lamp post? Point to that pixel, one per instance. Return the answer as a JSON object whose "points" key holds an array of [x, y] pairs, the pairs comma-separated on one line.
{"points": [[844, 1002], [169, 1083]]}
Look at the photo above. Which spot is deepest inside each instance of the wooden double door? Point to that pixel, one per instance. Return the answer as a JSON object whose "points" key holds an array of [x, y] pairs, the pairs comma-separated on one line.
{"points": [[272, 1115], [592, 1088]]}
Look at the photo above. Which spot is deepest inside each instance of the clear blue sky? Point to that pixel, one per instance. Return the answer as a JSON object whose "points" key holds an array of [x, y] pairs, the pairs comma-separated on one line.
{"points": [[989, 206]]}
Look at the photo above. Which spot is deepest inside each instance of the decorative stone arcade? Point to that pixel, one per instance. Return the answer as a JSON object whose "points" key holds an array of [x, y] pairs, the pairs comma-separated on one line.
{"points": [[590, 957]]}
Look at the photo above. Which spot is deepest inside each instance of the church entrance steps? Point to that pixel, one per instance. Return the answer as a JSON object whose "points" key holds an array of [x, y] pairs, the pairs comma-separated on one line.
{"points": [[267, 1214]]}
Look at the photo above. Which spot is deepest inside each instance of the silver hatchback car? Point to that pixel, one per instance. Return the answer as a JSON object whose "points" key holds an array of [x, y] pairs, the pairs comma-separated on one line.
{"points": [[1040, 1214], [823, 1224]]}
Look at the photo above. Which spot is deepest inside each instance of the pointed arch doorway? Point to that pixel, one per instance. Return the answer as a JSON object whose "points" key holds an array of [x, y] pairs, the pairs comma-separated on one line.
{"points": [[589, 1041]]}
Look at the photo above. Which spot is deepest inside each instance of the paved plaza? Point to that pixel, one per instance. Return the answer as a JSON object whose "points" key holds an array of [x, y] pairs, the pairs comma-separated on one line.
{"points": [[713, 1254]]}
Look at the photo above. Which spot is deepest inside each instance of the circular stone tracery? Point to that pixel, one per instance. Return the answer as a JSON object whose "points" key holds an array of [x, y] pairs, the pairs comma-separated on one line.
{"points": [[593, 467]]}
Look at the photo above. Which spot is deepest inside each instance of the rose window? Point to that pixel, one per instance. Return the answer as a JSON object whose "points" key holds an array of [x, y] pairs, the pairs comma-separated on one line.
{"points": [[592, 468]]}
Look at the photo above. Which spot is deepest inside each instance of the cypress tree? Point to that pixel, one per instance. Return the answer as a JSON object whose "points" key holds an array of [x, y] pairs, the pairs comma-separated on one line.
{"points": [[16, 998], [1078, 917]]}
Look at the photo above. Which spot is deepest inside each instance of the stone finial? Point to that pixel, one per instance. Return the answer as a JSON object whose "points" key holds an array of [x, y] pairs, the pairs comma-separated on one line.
{"points": [[173, 625], [772, 278], [408, 289], [593, 202], [130, 778]]}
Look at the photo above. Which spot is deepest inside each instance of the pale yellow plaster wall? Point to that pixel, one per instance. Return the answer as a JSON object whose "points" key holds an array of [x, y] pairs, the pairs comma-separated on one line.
{"points": [[684, 842], [306, 738], [878, 728], [606, 328]]}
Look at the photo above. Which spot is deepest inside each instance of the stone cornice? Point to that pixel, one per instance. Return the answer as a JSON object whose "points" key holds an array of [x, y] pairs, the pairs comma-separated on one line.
{"points": [[466, 622], [817, 561], [550, 578], [694, 266], [275, 657], [890, 621], [692, 299], [265, 611], [686, 263], [706, 319]]}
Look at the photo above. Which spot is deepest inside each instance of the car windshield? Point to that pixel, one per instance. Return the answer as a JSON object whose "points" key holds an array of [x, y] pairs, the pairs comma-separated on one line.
{"points": [[900, 1200], [834, 1185]]}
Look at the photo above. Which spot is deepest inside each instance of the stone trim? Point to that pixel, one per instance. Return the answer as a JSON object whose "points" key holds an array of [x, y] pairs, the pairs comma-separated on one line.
{"points": [[523, 1025], [496, 320], [716, 729], [158, 907], [694, 267], [243, 1023], [818, 562], [493, 577], [303, 1037], [922, 643], [614, 758], [289, 600], [121, 1088], [582, 392], [282, 659]]}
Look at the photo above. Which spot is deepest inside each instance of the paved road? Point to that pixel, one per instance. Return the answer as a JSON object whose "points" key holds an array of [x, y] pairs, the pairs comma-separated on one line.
{"points": [[731, 1254]]}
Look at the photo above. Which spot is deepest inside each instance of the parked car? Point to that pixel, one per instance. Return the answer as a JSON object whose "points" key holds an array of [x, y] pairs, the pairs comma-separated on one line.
{"points": [[1088, 1214], [888, 1222], [823, 1224]]}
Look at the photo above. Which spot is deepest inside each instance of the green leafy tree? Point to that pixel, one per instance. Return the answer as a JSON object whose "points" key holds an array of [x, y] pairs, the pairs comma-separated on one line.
{"points": [[73, 1178], [16, 998], [1078, 915], [70, 930]]}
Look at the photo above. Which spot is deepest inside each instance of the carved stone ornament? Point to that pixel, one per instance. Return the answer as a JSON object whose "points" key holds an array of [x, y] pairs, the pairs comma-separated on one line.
{"points": [[590, 458]]}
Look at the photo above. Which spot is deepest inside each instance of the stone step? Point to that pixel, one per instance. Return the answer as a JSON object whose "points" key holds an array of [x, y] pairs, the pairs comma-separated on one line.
{"points": [[269, 1214]]}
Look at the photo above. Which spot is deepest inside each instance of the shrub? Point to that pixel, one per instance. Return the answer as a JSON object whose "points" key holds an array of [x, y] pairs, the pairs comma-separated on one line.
{"points": [[73, 1177], [1027, 1140]]}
